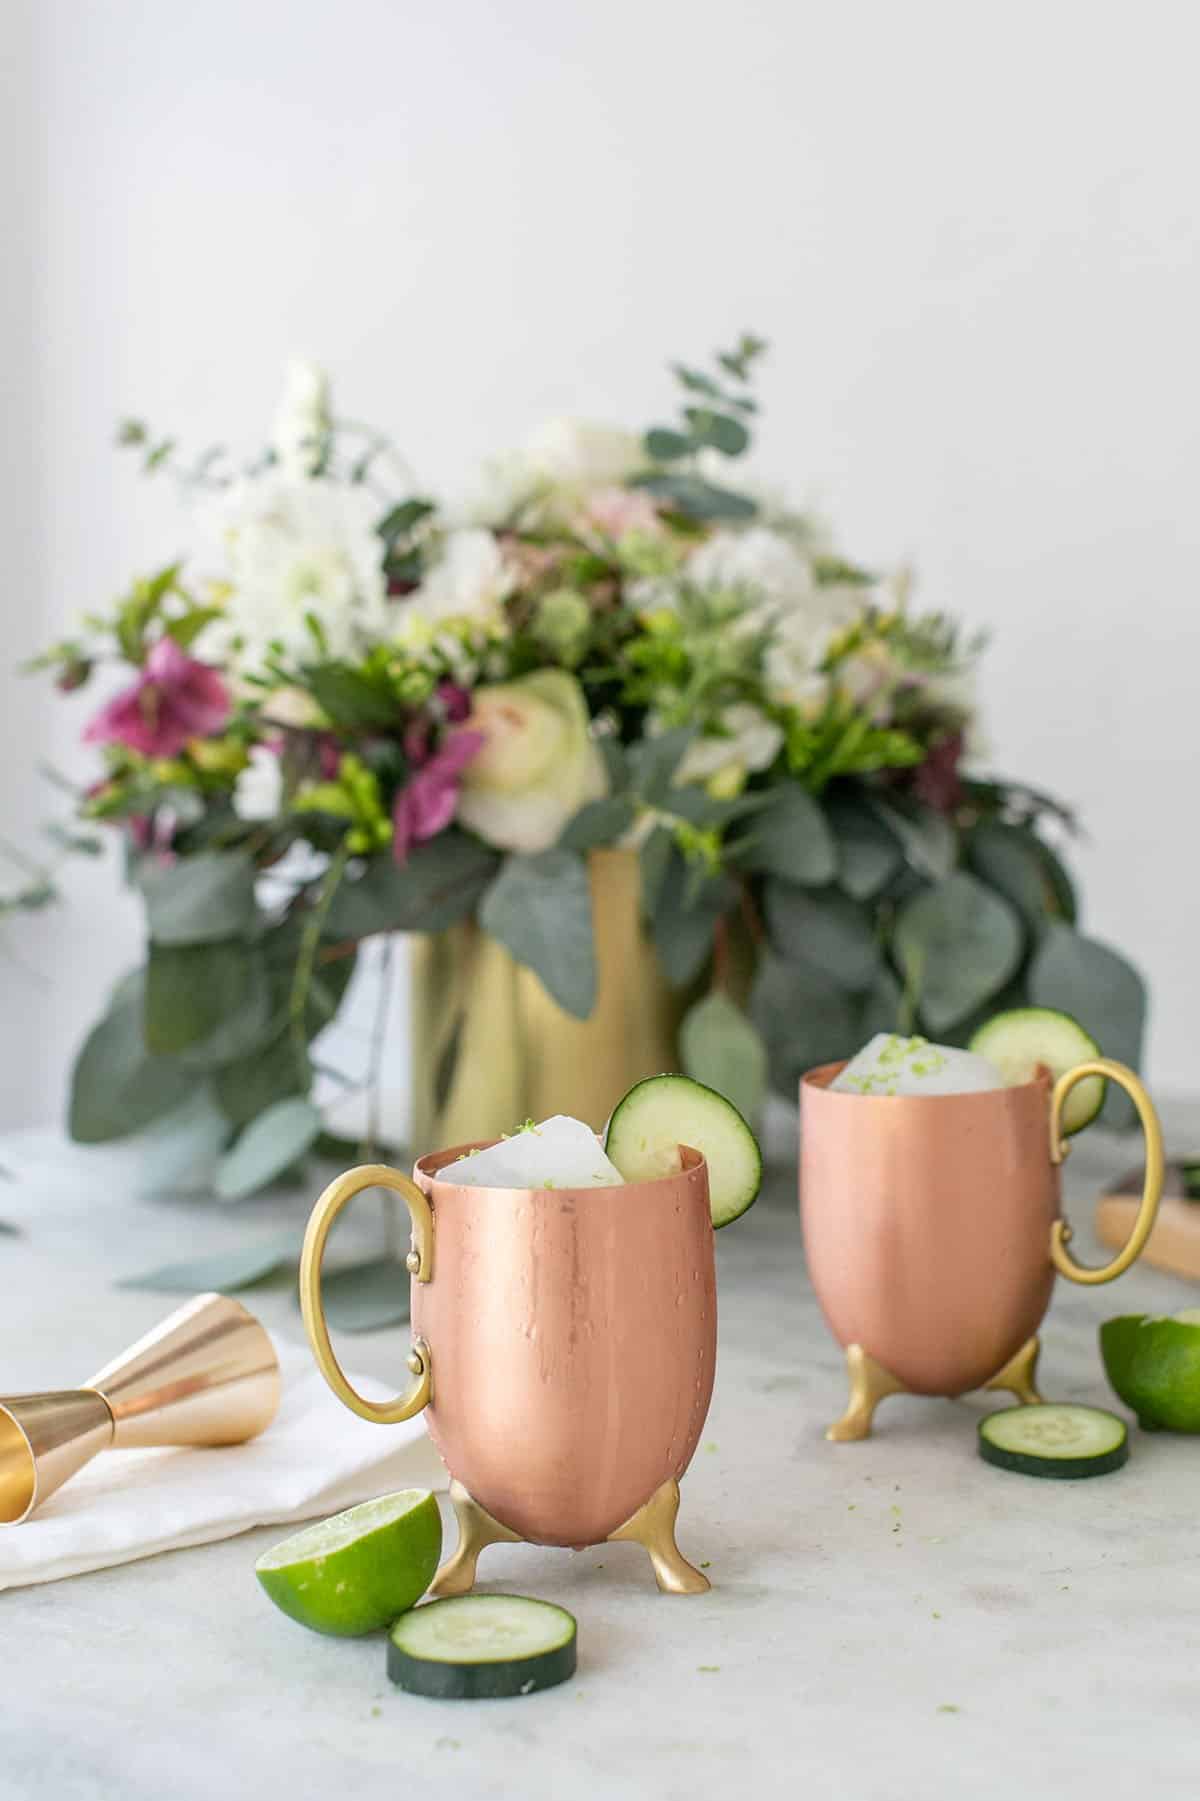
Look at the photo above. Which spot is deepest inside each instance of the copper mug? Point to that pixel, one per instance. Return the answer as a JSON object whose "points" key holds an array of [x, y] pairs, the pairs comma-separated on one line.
{"points": [[564, 1346], [933, 1230]]}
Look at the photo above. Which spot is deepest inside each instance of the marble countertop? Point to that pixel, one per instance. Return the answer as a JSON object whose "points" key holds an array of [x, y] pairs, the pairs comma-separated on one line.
{"points": [[889, 1621]]}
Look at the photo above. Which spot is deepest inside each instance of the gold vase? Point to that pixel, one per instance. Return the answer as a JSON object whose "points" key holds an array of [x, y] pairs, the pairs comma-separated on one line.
{"points": [[491, 1048]]}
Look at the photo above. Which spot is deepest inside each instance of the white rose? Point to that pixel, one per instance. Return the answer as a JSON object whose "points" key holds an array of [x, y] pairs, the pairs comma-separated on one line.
{"points": [[538, 763], [469, 580], [301, 549], [572, 453], [302, 419], [750, 742]]}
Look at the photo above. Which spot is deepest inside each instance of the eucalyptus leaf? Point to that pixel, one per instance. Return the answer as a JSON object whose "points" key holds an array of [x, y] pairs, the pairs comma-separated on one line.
{"points": [[1008, 858], [223, 1272], [685, 917], [665, 446], [117, 1085], [267, 1147], [208, 1002], [540, 908], [9, 1231], [696, 498], [956, 944], [655, 760], [729, 436], [201, 899], [1103, 992], [804, 1017], [1065, 904], [441, 883], [928, 841], [654, 859], [599, 822], [249, 1085], [791, 838], [360, 1297], [720, 1046], [827, 928], [177, 1154], [868, 854]]}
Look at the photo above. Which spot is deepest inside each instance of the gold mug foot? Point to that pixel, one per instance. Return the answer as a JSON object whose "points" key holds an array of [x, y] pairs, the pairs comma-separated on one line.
{"points": [[476, 1531], [870, 1383], [653, 1527], [1018, 1374]]}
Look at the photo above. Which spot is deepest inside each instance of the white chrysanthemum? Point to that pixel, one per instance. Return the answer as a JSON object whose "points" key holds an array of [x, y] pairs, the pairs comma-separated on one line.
{"points": [[764, 565], [468, 581], [801, 639], [302, 549], [751, 742], [302, 419]]}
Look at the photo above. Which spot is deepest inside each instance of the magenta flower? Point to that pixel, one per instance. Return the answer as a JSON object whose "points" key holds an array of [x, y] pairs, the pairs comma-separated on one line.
{"points": [[427, 804], [174, 698]]}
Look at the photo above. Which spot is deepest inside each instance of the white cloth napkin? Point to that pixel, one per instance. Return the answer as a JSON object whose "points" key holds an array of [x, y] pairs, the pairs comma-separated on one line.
{"points": [[314, 1458]]}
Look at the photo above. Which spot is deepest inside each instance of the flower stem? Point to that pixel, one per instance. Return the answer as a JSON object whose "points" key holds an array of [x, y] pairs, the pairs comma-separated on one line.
{"points": [[309, 941]]}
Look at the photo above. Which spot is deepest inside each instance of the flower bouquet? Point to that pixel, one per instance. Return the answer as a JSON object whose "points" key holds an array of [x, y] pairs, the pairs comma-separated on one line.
{"points": [[366, 713]]}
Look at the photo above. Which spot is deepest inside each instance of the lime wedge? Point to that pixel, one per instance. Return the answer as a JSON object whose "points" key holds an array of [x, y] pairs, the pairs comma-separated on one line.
{"points": [[360, 1570], [1154, 1365]]}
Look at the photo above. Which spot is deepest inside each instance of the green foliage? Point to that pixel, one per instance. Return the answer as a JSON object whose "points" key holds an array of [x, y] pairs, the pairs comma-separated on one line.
{"points": [[599, 822], [687, 906], [117, 1084], [868, 854], [720, 1046], [790, 837], [200, 899], [442, 882], [208, 1003], [825, 927], [362, 1297], [1099, 989], [267, 1147], [222, 1272], [540, 908], [956, 944]]}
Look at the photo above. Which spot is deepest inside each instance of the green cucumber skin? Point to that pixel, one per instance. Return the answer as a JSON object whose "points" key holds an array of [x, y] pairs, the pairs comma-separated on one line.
{"points": [[439, 1681], [1071, 1469]]}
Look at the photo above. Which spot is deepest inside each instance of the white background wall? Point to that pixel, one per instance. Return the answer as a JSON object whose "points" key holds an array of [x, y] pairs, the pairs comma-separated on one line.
{"points": [[970, 233]]}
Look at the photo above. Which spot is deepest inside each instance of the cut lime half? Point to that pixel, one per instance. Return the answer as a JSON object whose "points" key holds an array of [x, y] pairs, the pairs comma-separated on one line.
{"points": [[1154, 1365], [360, 1570]]}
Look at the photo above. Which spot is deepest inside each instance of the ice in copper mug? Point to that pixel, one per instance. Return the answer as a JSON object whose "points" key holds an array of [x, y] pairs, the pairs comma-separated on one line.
{"points": [[564, 1348], [931, 1211]]}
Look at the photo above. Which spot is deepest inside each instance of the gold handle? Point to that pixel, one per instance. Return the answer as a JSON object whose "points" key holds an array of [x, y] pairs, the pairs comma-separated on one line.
{"points": [[1060, 1232], [420, 1266]]}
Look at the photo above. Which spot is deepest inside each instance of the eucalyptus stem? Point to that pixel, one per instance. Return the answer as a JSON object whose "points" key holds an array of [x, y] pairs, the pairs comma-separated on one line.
{"points": [[392, 1235], [310, 939]]}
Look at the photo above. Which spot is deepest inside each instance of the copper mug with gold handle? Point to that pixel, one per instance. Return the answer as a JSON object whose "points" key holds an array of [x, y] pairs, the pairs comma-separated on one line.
{"points": [[933, 1230], [564, 1347]]}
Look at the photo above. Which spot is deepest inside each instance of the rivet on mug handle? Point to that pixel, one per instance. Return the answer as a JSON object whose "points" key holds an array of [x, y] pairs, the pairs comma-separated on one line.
{"points": [[340, 1191], [1060, 1232]]}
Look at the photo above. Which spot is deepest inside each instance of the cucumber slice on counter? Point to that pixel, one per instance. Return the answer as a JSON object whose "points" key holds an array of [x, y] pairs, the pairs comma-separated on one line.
{"points": [[658, 1115], [1018, 1041], [1053, 1439], [481, 1647]]}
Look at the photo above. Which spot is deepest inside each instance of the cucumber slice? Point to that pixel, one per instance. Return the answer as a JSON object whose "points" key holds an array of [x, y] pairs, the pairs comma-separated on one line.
{"points": [[1018, 1041], [1053, 1439], [658, 1115], [481, 1647]]}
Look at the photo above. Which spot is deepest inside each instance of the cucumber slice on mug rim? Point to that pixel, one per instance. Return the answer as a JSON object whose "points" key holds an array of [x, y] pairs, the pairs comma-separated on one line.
{"points": [[658, 1115], [1054, 1439], [481, 1647], [1017, 1041]]}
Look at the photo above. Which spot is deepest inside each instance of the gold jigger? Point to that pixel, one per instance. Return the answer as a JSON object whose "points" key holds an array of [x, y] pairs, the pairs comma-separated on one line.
{"points": [[206, 1375]]}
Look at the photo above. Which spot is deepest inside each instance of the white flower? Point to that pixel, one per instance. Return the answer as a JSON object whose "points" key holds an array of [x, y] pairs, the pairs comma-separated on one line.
{"points": [[468, 581], [258, 791], [298, 550], [572, 453], [302, 419], [751, 742], [763, 564], [538, 763]]}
